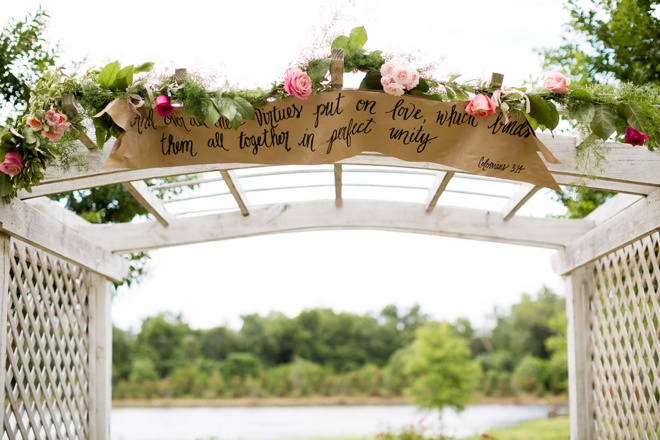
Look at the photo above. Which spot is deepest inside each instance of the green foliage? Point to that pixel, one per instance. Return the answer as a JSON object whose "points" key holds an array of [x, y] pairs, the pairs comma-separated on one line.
{"points": [[557, 428], [610, 39], [161, 341], [581, 201], [443, 373], [24, 56], [530, 375], [240, 365]]}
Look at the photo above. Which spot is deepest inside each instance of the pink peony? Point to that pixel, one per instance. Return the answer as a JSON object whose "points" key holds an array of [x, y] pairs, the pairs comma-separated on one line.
{"points": [[393, 89], [481, 106], [297, 83], [34, 123], [52, 135], [163, 106], [387, 69], [52, 118], [634, 137], [13, 163], [556, 82]]}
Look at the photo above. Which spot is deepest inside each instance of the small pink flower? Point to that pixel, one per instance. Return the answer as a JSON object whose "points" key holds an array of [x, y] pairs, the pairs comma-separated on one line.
{"points": [[407, 77], [34, 123], [556, 82], [164, 106], [481, 106], [297, 83], [52, 118], [13, 163], [393, 89], [52, 135], [387, 69], [634, 137]]}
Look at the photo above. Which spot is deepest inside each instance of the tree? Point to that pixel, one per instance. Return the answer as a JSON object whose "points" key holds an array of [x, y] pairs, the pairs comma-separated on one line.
{"points": [[441, 365], [610, 39], [161, 340], [24, 55]]}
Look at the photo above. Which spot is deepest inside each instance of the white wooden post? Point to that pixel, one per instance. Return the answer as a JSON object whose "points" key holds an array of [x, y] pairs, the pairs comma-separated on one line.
{"points": [[4, 316], [100, 361], [579, 286]]}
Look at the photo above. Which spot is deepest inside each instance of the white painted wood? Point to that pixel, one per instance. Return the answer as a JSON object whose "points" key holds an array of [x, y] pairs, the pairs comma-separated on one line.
{"points": [[612, 207], [4, 283], [149, 201], [437, 188], [100, 362], [55, 210], [338, 185], [639, 219], [578, 288], [518, 200], [236, 190], [22, 221], [605, 185], [355, 214]]}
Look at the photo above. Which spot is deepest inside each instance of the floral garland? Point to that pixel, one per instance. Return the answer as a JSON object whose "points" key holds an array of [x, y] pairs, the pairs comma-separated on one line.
{"points": [[629, 113]]}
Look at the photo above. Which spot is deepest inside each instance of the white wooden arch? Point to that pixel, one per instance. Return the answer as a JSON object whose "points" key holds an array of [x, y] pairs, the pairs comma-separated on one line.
{"points": [[587, 250]]}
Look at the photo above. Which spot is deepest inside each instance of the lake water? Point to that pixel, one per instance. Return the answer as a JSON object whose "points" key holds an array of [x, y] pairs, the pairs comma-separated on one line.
{"points": [[271, 423]]}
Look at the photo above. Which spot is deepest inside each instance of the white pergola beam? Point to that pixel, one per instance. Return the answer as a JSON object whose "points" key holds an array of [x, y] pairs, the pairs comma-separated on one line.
{"points": [[338, 185], [358, 214], [436, 190], [236, 190], [518, 200], [30, 225], [639, 219], [141, 192]]}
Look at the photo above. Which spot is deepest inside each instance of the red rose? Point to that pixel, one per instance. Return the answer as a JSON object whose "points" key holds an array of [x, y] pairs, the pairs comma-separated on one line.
{"points": [[634, 137]]}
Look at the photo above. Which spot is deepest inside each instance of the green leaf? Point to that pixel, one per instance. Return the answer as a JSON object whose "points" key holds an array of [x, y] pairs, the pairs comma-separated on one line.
{"points": [[144, 67], [212, 114], [227, 108], [30, 137], [244, 108], [371, 81], [357, 38], [6, 187], [423, 86], [583, 113], [634, 114], [341, 42], [544, 112], [108, 75], [317, 69], [604, 122], [123, 80], [582, 95], [532, 122]]}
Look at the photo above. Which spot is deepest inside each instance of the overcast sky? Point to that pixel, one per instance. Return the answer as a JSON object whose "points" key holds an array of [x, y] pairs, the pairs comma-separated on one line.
{"points": [[252, 44]]}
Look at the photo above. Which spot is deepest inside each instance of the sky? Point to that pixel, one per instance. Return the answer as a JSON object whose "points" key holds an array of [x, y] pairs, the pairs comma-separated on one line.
{"points": [[253, 43]]}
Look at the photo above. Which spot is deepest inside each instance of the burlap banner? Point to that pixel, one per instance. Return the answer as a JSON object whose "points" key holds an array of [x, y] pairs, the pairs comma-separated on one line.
{"points": [[331, 126]]}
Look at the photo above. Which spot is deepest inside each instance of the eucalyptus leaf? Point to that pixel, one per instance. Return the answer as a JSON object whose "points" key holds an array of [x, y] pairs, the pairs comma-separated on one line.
{"points": [[634, 114], [582, 95], [108, 75], [544, 112], [244, 108], [604, 122], [583, 112], [30, 137]]}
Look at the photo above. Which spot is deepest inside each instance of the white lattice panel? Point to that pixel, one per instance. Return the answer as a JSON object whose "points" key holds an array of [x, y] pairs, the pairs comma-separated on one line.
{"points": [[625, 342], [47, 370]]}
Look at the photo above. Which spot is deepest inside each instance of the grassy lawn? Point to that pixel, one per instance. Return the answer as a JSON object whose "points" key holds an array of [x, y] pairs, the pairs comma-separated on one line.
{"points": [[543, 429]]}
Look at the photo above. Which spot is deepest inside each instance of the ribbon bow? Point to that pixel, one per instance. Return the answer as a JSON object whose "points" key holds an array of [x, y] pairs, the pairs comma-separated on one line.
{"points": [[134, 105], [497, 99]]}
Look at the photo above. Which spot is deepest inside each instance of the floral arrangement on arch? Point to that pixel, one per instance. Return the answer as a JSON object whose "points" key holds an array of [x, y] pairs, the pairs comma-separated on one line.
{"points": [[626, 112]]}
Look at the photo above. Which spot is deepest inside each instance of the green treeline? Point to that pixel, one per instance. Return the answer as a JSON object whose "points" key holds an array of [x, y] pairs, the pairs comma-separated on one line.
{"points": [[324, 353]]}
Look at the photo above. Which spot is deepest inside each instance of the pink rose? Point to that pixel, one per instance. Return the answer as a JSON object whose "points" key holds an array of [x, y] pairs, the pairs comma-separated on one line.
{"points": [[393, 89], [297, 83], [481, 106], [556, 82], [52, 118], [634, 137], [406, 76], [52, 135], [13, 163], [387, 69], [34, 123], [164, 106]]}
